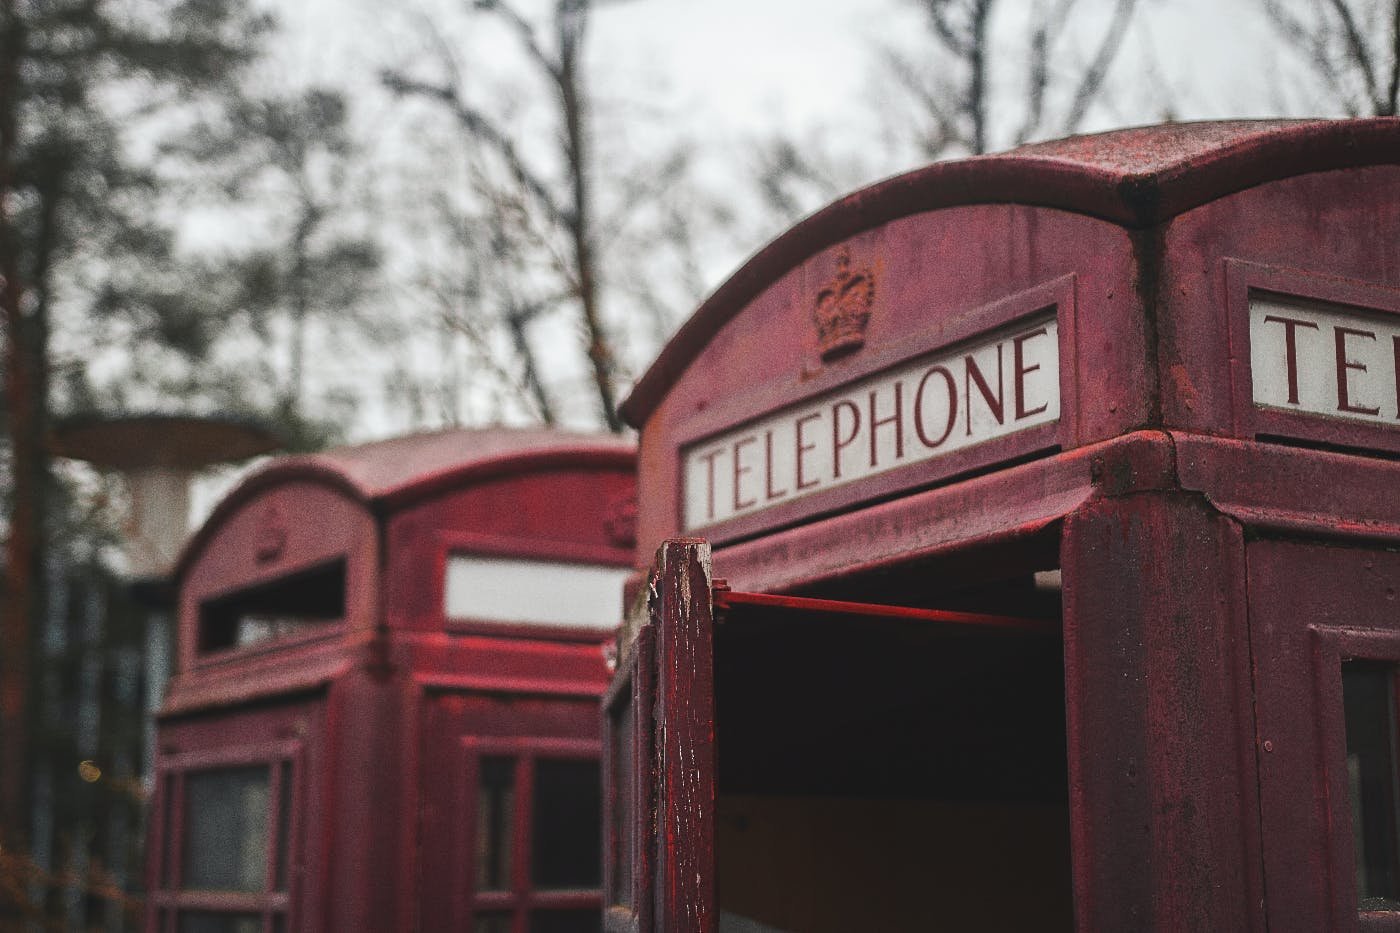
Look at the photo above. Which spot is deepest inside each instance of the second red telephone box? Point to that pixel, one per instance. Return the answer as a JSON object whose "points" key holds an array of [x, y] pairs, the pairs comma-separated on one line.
{"points": [[385, 711]]}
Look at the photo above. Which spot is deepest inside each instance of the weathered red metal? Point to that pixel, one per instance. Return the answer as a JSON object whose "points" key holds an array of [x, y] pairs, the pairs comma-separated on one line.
{"points": [[725, 598], [1163, 362], [377, 717], [683, 617]]}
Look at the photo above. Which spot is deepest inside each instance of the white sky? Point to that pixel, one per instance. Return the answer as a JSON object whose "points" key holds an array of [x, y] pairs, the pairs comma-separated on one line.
{"points": [[743, 63], [723, 73]]}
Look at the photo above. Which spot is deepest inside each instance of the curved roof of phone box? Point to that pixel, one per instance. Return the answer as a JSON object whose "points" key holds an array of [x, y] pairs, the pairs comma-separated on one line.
{"points": [[391, 474], [1133, 177]]}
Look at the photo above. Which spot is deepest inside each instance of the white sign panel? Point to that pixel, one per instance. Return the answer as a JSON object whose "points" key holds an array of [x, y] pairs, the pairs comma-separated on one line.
{"points": [[1325, 360], [504, 589], [918, 411]]}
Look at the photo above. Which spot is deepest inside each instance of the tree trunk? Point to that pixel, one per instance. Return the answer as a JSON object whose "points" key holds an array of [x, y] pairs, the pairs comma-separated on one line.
{"points": [[571, 21], [977, 89], [22, 552]]}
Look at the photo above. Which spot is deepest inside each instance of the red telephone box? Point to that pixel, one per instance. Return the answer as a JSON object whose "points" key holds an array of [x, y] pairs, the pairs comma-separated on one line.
{"points": [[385, 712], [1051, 522]]}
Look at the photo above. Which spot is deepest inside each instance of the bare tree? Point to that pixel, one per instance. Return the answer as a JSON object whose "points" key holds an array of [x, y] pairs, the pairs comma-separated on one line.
{"points": [[296, 155], [558, 215], [1353, 46], [74, 208], [793, 177], [1049, 87]]}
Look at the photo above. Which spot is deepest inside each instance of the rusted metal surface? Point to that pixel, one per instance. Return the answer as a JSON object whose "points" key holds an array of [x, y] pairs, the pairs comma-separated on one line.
{"points": [[1038, 262], [725, 598], [1303, 239], [388, 475], [391, 702], [1007, 509], [1156, 663], [1215, 495], [683, 616], [1292, 490], [1134, 178], [1312, 605]]}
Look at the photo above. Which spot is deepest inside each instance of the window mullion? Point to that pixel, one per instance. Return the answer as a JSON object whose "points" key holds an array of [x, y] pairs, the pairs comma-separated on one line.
{"points": [[1391, 731], [274, 827], [524, 827], [175, 850]]}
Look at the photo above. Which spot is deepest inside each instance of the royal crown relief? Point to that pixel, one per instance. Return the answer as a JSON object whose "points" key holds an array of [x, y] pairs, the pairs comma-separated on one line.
{"points": [[953, 398], [842, 309]]}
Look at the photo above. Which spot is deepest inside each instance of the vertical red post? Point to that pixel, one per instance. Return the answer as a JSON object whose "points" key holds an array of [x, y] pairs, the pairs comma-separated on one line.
{"points": [[1162, 773], [686, 899]]}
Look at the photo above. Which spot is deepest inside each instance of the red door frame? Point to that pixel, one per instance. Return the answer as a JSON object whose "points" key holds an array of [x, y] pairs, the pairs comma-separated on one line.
{"points": [[285, 761], [669, 668], [629, 854]]}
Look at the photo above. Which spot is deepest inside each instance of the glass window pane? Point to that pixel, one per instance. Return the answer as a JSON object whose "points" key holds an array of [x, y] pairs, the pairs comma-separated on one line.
{"points": [[623, 821], [491, 923], [566, 921], [284, 823], [566, 842], [503, 589], [1368, 696], [207, 921], [297, 603], [495, 826], [167, 845], [226, 829]]}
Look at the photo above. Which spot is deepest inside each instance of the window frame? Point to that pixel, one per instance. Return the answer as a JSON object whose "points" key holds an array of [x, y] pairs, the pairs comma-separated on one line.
{"points": [[505, 547], [326, 630], [633, 687], [1333, 645], [523, 899], [168, 899]]}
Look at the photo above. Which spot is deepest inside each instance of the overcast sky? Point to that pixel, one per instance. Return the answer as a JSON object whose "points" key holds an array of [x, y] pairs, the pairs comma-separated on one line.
{"points": [[723, 73], [743, 65]]}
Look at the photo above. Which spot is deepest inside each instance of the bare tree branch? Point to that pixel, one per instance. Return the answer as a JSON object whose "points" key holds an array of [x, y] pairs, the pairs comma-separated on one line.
{"points": [[977, 94], [1092, 81], [962, 108], [516, 320], [469, 328], [526, 32], [1056, 21], [1037, 79], [959, 43], [1335, 39], [930, 103], [1358, 52], [481, 127], [1392, 99]]}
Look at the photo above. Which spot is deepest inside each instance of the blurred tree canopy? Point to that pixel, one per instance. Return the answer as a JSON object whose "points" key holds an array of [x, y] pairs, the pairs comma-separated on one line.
{"points": [[311, 274], [555, 226], [85, 252], [982, 75]]}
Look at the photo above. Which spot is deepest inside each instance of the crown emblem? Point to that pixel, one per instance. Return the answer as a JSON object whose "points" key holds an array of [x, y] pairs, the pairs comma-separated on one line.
{"points": [[843, 309], [271, 536]]}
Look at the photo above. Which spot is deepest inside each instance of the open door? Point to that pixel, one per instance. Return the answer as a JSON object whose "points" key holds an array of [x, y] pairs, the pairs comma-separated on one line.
{"points": [[660, 768], [783, 763]]}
